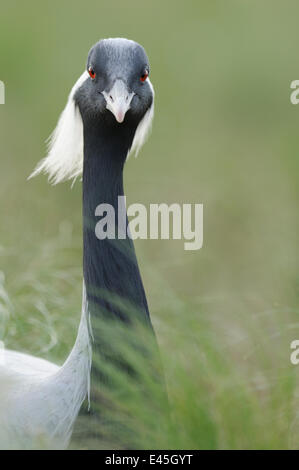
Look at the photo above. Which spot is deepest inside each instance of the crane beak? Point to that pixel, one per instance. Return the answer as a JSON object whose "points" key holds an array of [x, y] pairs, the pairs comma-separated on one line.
{"points": [[118, 100]]}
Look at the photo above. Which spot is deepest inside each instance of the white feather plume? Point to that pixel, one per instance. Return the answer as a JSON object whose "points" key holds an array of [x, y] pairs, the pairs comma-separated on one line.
{"points": [[65, 152], [144, 127]]}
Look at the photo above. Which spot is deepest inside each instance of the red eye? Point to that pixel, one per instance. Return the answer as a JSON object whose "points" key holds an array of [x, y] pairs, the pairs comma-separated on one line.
{"points": [[144, 76], [92, 73]]}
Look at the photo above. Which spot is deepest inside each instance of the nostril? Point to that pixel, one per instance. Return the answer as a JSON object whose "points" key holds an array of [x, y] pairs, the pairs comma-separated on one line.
{"points": [[111, 97], [127, 97]]}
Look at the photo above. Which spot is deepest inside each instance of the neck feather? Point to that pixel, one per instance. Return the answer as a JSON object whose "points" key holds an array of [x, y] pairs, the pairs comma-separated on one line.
{"points": [[111, 272]]}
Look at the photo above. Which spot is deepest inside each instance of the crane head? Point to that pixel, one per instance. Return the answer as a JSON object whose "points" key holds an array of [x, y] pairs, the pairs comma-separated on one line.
{"points": [[117, 83], [115, 89]]}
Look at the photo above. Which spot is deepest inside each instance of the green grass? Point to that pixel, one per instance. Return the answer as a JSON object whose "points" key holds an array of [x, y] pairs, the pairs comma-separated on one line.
{"points": [[229, 380], [225, 135]]}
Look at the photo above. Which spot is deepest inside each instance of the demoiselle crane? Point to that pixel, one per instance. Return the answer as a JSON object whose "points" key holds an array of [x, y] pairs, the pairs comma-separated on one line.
{"points": [[108, 115]]}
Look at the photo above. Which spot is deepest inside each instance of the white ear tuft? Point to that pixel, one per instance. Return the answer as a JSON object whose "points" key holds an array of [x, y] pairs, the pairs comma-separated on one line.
{"points": [[65, 148], [144, 128]]}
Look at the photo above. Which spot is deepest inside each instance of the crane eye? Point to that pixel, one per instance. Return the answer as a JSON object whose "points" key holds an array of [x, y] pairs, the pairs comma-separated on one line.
{"points": [[144, 76], [92, 73]]}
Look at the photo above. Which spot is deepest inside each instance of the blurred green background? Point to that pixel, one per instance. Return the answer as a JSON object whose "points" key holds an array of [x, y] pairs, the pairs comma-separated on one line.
{"points": [[226, 135]]}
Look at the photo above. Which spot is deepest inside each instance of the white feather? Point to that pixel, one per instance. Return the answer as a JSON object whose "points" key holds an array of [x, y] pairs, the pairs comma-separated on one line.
{"points": [[144, 127], [65, 152], [40, 401]]}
